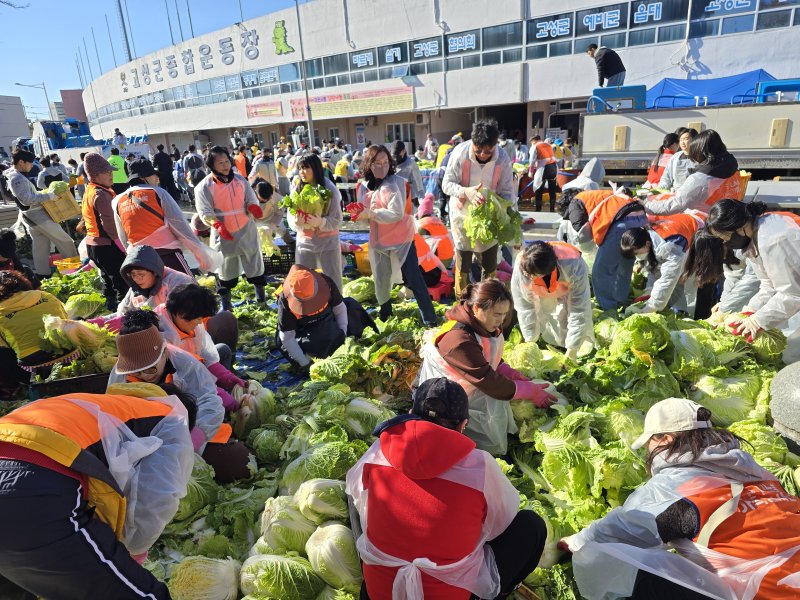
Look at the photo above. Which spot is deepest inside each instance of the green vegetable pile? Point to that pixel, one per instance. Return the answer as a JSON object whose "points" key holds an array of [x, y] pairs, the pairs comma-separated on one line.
{"points": [[310, 200], [496, 221]]}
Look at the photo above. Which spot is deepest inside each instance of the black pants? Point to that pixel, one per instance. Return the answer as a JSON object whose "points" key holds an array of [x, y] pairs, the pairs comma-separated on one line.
{"points": [[706, 299], [173, 258], [109, 260], [54, 546], [653, 587], [516, 551], [550, 175], [11, 374]]}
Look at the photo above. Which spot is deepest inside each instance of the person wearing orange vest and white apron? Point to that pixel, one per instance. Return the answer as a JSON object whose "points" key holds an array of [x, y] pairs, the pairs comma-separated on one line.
{"points": [[103, 245], [387, 206], [146, 215], [770, 241], [434, 246], [468, 349], [145, 356], [543, 169], [318, 236], [473, 166], [226, 201], [603, 216], [89, 483], [735, 529], [714, 176], [550, 286], [661, 249]]}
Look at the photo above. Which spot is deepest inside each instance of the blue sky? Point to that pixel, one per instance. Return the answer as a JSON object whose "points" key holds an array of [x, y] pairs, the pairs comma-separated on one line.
{"points": [[52, 30]]}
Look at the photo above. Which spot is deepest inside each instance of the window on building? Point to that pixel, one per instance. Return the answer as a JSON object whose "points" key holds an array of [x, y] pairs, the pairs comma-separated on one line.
{"points": [[613, 40], [330, 81], [385, 73], [435, 66], [470, 62], [582, 43], [343, 79], [314, 68], [738, 24], [338, 63], [289, 72], [672, 33], [492, 58], [513, 55], [699, 29], [333, 133], [417, 69], [641, 36], [371, 75], [357, 77], [797, 17], [454, 64], [203, 88], [502, 36], [405, 132], [561, 48], [771, 20], [534, 52]]}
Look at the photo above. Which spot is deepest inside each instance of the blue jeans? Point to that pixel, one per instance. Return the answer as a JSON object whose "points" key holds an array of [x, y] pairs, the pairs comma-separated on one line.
{"points": [[616, 80], [412, 277], [611, 274]]}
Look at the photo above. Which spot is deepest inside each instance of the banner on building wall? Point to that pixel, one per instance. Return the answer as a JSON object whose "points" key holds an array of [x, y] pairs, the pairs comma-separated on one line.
{"points": [[265, 109], [356, 103]]}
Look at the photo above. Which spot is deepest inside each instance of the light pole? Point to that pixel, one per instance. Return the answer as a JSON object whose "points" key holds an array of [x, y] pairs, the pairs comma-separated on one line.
{"points": [[309, 120], [46, 97]]}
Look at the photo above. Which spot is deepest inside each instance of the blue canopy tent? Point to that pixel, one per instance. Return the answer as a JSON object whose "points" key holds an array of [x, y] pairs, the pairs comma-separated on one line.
{"points": [[669, 93]]}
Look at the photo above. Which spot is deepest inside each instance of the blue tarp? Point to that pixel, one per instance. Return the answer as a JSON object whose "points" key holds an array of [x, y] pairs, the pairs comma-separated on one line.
{"points": [[719, 91]]}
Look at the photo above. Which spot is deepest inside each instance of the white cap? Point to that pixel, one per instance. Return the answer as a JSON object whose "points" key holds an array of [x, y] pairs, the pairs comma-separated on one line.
{"points": [[669, 416]]}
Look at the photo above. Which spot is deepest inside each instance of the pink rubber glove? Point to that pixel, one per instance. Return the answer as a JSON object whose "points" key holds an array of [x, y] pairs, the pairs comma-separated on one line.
{"points": [[140, 558], [506, 370], [227, 400], [533, 392], [225, 379], [99, 321], [114, 324], [198, 438]]}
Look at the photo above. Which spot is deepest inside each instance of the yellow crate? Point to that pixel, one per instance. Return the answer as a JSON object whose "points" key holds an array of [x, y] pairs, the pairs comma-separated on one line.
{"points": [[362, 260], [63, 208], [67, 265]]}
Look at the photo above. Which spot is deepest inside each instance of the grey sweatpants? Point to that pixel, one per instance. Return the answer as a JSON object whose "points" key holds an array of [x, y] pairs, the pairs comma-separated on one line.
{"points": [[329, 262], [41, 236]]}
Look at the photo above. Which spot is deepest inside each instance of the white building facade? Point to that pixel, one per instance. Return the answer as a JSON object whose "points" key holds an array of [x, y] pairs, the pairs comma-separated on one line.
{"points": [[13, 122], [382, 70]]}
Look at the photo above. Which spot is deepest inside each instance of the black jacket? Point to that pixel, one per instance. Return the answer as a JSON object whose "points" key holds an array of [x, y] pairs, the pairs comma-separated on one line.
{"points": [[608, 64]]}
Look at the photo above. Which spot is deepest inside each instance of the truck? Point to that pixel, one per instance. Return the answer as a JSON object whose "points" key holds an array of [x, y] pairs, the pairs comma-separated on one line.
{"points": [[72, 138], [760, 134]]}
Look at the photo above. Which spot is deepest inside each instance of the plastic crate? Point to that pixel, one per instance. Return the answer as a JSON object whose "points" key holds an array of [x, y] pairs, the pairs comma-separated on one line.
{"points": [[85, 384], [744, 179], [279, 264], [443, 290]]}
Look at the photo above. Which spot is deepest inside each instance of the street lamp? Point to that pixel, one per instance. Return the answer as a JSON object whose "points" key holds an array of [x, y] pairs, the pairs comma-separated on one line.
{"points": [[305, 80], [46, 97]]}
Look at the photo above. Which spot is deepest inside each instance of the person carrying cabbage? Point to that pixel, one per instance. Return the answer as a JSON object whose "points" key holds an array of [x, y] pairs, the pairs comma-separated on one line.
{"points": [[38, 224], [474, 167], [660, 250], [470, 515], [226, 202], [735, 529], [22, 346], [468, 349], [317, 231], [313, 317], [770, 241], [144, 356], [89, 483], [383, 199], [550, 286]]}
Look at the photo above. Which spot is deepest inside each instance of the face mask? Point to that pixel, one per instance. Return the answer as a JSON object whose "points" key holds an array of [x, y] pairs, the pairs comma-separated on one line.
{"points": [[380, 172], [739, 241]]}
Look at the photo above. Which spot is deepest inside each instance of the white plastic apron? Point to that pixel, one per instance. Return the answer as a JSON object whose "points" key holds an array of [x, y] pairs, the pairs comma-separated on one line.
{"points": [[490, 420]]}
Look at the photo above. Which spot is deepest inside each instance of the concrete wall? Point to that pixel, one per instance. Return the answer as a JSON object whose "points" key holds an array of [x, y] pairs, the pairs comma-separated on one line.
{"points": [[13, 123]]}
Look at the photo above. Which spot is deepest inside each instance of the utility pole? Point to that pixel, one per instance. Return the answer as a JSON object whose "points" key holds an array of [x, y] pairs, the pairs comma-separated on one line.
{"points": [[189, 10], [169, 22], [126, 46], [111, 43], [180, 25], [309, 120]]}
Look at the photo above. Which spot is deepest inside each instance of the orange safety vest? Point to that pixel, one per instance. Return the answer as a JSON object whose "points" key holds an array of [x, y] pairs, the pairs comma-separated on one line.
{"points": [[141, 214], [466, 166], [729, 188], [684, 225], [602, 206], [766, 521], [241, 164], [64, 431], [425, 255], [437, 230], [545, 152], [91, 218], [563, 251]]}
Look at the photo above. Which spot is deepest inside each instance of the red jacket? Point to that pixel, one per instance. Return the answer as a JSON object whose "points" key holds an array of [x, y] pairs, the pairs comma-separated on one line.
{"points": [[412, 512]]}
